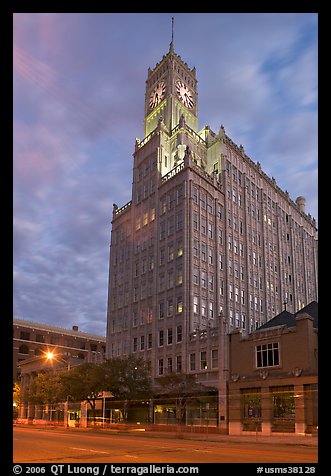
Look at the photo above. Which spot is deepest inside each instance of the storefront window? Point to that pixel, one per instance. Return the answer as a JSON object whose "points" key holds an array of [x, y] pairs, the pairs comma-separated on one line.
{"points": [[283, 408], [251, 411]]}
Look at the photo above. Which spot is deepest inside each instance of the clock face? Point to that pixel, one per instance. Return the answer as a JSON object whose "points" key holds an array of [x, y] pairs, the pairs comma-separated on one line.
{"points": [[184, 94], [157, 94]]}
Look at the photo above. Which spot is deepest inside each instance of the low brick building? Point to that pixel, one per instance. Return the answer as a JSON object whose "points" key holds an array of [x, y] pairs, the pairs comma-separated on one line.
{"points": [[274, 375]]}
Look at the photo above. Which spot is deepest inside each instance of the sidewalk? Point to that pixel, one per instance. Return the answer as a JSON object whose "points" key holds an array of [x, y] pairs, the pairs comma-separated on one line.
{"points": [[281, 439]]}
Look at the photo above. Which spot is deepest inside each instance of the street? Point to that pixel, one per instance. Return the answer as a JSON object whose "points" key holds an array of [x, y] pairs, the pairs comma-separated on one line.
{"points": [[34, 445]]}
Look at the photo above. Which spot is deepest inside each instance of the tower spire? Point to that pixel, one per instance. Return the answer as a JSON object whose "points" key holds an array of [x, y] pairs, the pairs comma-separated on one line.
{"points": [[172, 35]]}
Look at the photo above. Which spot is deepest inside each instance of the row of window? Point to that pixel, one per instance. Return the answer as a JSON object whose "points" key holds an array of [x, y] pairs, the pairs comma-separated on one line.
{"points": [[166, 365], [206, 202], [166, 308], [206, 226], [55, 340], [169, 202], [168, 227], [24, 349], [172, 252], [148, 216], [167, 337]]}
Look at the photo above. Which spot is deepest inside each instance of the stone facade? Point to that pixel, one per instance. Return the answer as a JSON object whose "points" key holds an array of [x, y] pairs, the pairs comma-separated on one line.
{"points": [[206, 234]]}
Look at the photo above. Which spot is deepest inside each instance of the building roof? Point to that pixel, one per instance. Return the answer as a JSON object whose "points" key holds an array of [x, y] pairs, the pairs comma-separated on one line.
{"points": [[288, 319], [57, 330], [312, 310]]}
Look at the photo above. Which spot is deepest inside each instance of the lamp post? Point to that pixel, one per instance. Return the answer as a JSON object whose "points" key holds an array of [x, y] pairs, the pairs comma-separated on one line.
{"points": [[50, 356]]}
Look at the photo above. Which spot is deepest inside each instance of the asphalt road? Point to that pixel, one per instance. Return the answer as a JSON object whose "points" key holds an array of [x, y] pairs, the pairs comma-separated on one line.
{"points": [[58, 446]]}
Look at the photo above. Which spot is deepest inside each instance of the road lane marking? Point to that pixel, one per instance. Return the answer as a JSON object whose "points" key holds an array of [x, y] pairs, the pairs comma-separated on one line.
{"points": [[88, 449]]}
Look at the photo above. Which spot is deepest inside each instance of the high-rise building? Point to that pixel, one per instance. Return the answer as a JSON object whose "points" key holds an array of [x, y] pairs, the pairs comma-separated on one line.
{"points": [[208, 243]]}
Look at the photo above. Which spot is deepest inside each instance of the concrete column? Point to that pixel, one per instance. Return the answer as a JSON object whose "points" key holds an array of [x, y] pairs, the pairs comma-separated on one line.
{"points": [[267, 410], [83, 414], [234, 411], [300, 423]]}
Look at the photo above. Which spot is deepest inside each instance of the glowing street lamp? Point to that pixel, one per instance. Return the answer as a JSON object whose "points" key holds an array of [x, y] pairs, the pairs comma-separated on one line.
{"points": [[50, 356]]}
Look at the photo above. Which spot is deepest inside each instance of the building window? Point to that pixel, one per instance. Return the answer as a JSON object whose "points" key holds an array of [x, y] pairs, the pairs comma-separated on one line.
{"points": [[161, 367], [24, 349], [161, 338], [203, 360], [195, 305], [203, 308], [283, 408], [142, 342], [169, 340], [135, 344], [203, 200], [203, 251], [214, 358], [178, 363], [170, 309], [179, 304], [195, 195], [150, 341], [162, 256], [203, 225], [203, 279], [179, 333], [161, 310], [25, 335], [170, 226], [251, 409], [267, 355], [169, 366], [192, 362]]}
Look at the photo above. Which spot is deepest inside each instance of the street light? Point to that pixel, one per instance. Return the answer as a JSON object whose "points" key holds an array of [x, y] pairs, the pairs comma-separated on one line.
{"points": [[50, 356]]}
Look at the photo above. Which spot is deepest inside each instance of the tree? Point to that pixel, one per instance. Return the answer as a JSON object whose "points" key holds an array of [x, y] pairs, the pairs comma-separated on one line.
{"points": [[83, 383], [45, 388], [180, 387], [16, 398], [128, 380]]}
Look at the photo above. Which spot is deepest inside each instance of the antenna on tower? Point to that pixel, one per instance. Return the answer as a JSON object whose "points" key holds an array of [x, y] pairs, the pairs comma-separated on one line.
{"points": [[172, 35]]}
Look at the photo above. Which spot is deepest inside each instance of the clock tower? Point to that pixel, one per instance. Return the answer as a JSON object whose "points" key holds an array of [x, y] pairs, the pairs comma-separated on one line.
{"points": [[171, 92]]}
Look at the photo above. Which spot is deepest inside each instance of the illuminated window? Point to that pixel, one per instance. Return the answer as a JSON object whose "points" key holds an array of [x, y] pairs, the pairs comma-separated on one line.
{"points": [[179, 304], [203, 360]]}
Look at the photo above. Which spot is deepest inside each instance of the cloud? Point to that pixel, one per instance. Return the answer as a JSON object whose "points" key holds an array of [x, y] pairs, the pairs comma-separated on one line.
{"points": [[79, 85]]}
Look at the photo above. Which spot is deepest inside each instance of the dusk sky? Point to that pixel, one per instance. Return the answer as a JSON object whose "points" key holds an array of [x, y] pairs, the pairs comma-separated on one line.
{"points": [[79, 88]]}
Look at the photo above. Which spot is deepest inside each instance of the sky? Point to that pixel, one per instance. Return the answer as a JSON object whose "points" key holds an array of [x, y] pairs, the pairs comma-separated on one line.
{"points": [[78, 105]]}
